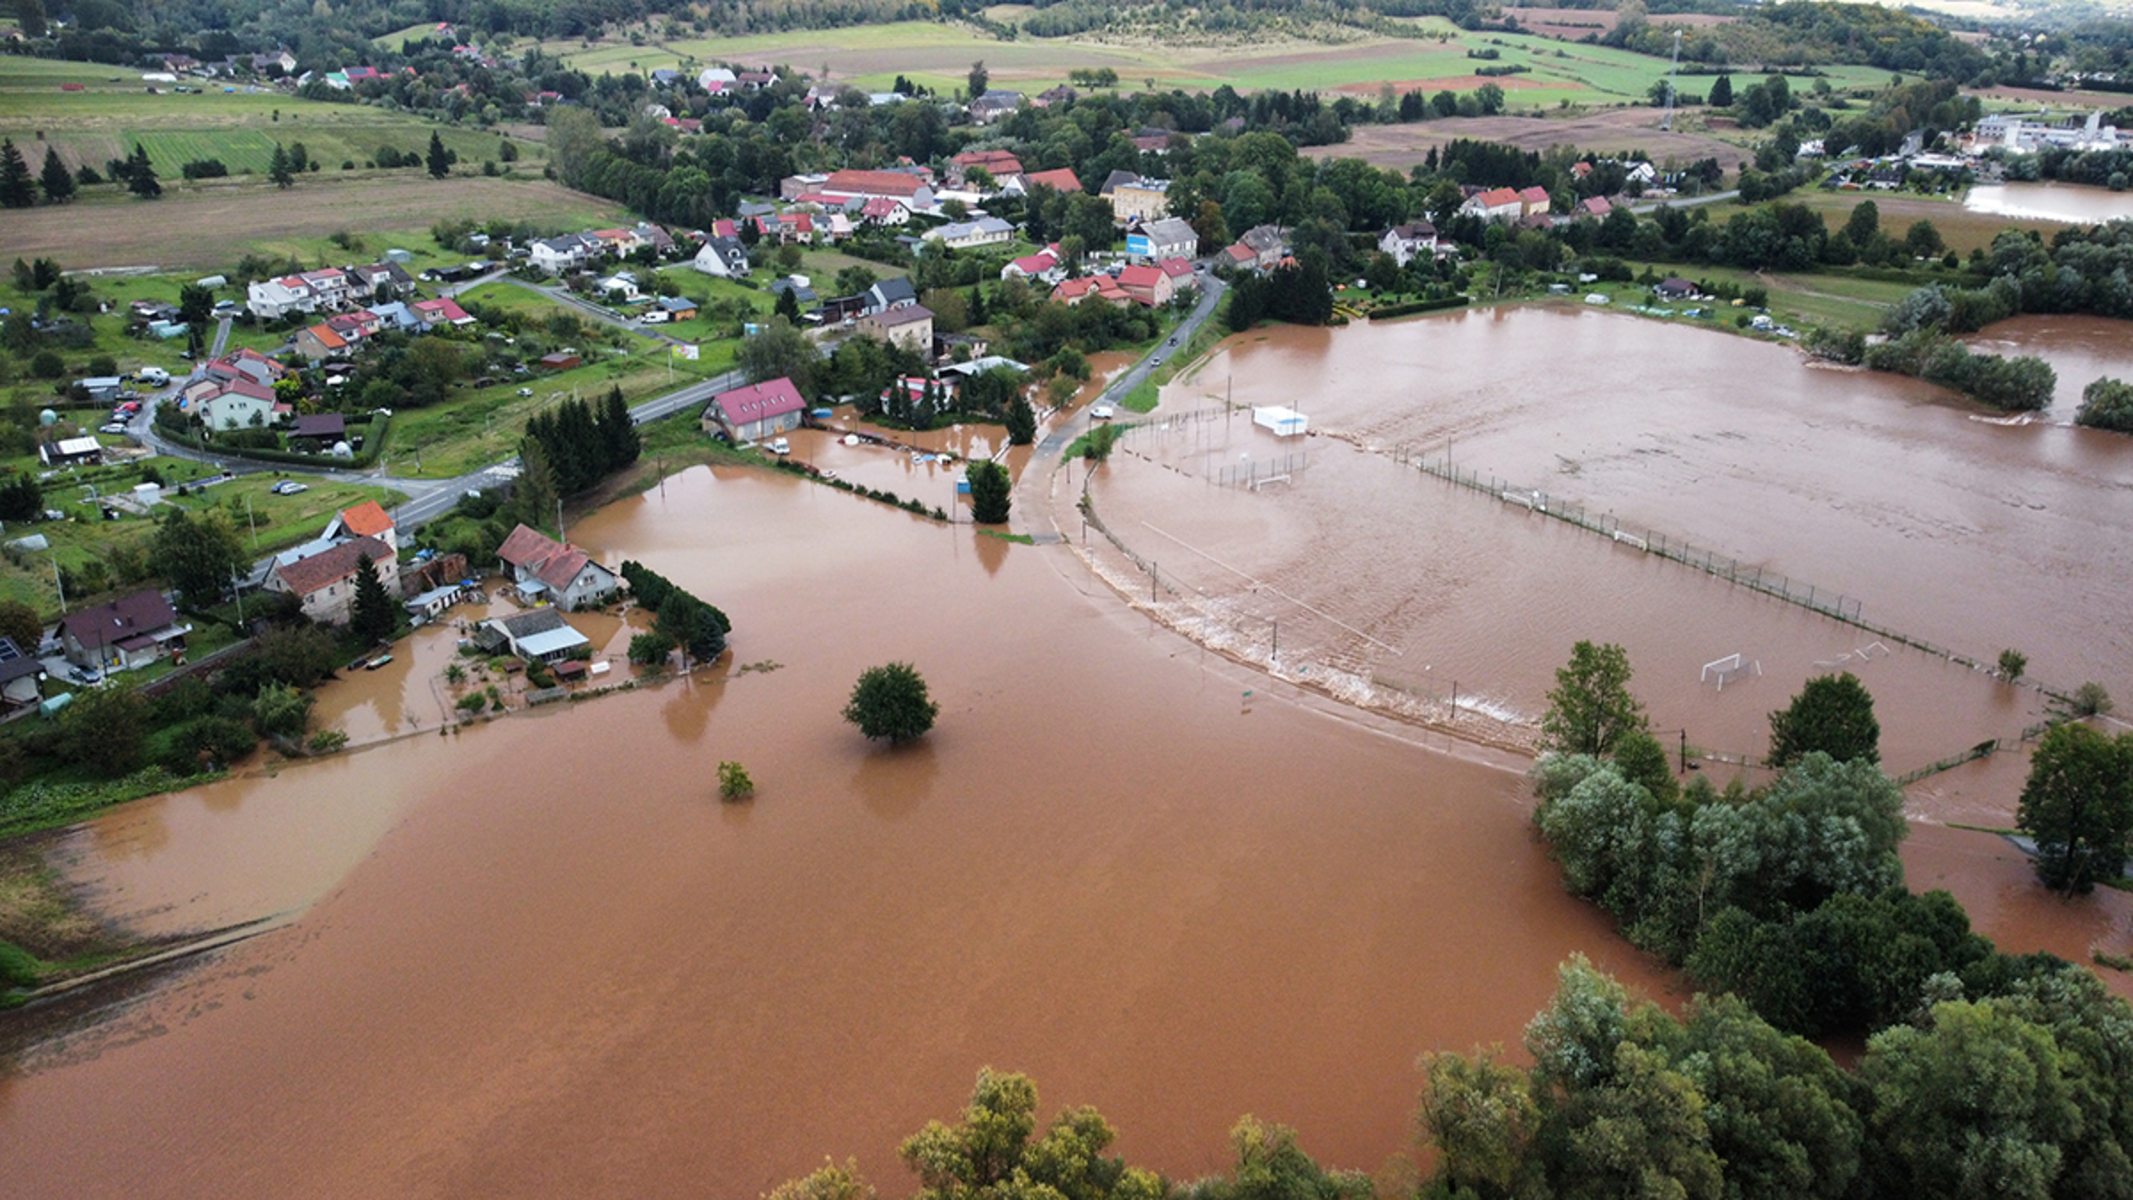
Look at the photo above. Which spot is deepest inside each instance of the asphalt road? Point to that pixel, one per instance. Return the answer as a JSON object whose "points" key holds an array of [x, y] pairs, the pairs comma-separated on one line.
{"points": [[1063, 435]]}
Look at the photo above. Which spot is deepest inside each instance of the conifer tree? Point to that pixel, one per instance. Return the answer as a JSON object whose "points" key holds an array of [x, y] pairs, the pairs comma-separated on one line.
{"points": [[16, 188], [58, 181], [141, 175]]}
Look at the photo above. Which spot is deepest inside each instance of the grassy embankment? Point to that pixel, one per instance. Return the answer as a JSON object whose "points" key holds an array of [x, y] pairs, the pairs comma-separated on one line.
{"points": [[1143, 397]]}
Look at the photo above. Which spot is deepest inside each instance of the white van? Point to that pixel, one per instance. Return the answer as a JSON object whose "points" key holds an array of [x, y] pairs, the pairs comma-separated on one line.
{"points": [[152, 376]]}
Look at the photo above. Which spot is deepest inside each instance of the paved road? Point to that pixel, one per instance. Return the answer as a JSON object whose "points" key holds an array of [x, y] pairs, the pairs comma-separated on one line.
{"points": [[1056, 441], [1677, 202]]}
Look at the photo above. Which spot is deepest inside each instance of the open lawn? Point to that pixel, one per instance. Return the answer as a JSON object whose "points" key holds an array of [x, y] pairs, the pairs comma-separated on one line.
{"points": [[221, 221]]}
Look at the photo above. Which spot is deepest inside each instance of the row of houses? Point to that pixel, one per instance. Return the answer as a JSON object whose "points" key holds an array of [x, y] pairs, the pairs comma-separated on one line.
{"points": [[328, 289], [1150, 284], [570, 251], [343, 333]]}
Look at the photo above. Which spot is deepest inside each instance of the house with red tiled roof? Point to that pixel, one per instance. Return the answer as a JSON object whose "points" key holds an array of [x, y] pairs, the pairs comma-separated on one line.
{"points": [[1147, 284], [1180, 270], [1595, 206], [1062, 180], [1100, 287], [884, 210], [442, 311], [1535, 199], [758, 411], [1496, 204], [545, 570], [325, 583], [368, 519], [1033, 266]]}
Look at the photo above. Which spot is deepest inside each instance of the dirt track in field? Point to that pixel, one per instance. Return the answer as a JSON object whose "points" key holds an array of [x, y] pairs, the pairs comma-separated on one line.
{"points": [[212, 226], [1603, 132]]}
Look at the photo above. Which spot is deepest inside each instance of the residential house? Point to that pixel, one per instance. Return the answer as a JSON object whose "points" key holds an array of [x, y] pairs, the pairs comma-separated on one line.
{"points": [[273, 299], [1136, 197], [541, 636], [891, 293], [1168, 237], [648, 234], [325, 583], [724, 257], [1495, 204], [1000, 164], [884, 210], [756, 412], [619, 288], [129, 632], [386, 277], [19, 675], [678, 308], [1408, 242], [716, 79], [802, 294], [1100, 287], [559, 254], [617, 242], [786, 227], [329, 284], [1238, 257], [238, 404], [542, 568], [910, 326], [1062, 180], [994, 105], [964, 235], [1147, 284], [246, 363], [1269, 244], [442, 311], [1040, 265], [368, 519], [1051, 96], [323, 429], [560, 360], [1597, 207], [1182, 273], [396, 317]]}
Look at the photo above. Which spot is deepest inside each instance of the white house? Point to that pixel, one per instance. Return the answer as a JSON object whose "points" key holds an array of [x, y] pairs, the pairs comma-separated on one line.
{"points": [[1407, 242], [241, 404], [545, 569], [963, 235], [273, 299], [724, 257], [1169, 237], [559, 254]]}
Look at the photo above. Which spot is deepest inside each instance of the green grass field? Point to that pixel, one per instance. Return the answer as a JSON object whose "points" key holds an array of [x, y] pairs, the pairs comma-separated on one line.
{"points": [[114, 110]]}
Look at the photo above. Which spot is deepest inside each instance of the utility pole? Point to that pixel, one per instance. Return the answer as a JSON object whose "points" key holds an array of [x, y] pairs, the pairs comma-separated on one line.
{"points": [[562, 534], [58, 583]]}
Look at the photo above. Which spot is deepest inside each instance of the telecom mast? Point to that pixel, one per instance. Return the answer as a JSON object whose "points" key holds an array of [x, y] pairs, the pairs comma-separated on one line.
{"points": [[1673, 73]]}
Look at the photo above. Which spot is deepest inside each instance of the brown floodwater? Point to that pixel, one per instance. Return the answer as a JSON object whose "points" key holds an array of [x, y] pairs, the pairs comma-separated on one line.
{"points": [[2080, 349], [1971, 535], [2050, 201], [541, 959]]}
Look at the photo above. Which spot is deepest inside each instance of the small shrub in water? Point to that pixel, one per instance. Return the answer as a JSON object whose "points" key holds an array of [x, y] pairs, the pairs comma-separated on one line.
{"points": [[733, 782]]}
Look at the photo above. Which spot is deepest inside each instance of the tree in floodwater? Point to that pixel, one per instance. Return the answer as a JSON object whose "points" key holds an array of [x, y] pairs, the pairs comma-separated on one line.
{"points": [[891, 701], [1590, 708], [989, 487], [2078, 804], [1833, 714]]}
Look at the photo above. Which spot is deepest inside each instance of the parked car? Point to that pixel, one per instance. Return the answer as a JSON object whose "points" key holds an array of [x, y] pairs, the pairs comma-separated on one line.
{"points": [[115, 428], [525, 391], [153, 376], [289, 487], [780, 446], [1103, 412]]}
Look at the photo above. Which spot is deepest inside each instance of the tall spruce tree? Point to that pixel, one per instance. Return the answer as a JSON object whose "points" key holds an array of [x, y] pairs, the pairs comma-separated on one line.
{"points": [[57, 180], [278, 170], [372, 617], [17, 190], [141, 175], [438, 160]]}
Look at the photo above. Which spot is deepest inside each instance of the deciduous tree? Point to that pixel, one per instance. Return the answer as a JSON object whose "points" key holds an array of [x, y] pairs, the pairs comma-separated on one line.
{"points": [[1591, 708], [2078, 804], [1833, 714], [891, 701], [199, 555]]}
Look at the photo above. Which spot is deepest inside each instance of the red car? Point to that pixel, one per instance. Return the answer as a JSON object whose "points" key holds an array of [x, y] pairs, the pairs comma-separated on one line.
{"points": [[130, 407]]}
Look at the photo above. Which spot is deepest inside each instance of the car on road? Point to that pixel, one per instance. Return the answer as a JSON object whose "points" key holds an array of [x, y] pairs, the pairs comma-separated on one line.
{"points": [[1173, 340], [114, 428], [289, 487], [1102, 412], [153, 376], [129, 408]]}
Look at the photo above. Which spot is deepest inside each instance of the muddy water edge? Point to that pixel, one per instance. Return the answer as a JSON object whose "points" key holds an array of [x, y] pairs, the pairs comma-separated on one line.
{"points": [[557, 965]]}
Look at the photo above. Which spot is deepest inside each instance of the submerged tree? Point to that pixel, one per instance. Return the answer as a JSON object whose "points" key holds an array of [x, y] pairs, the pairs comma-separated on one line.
{"points": [[2078, 804], [989, 487], [1833, 714], [1590, 708], [891, 701]]}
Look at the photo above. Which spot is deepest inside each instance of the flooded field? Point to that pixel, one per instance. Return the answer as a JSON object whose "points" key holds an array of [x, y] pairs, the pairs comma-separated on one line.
{"points": [[537, 957], [1970, 535], [2070, 202], [2080, 350], [544, 961]]}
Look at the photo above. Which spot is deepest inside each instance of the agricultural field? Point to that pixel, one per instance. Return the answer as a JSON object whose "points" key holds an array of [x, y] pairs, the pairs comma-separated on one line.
{"points": [[1601, 131], [939, 56], [225, 219], [1960, 228], [114, 109]]}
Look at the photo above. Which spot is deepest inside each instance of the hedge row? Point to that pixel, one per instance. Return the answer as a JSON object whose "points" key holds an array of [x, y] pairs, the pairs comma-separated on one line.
{"points": [[373, 446], [1416, 306]]}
